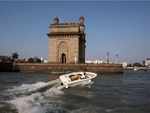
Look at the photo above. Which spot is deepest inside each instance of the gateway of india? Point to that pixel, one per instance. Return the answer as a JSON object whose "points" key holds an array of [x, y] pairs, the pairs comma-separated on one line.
{"points": [[66, 42]]}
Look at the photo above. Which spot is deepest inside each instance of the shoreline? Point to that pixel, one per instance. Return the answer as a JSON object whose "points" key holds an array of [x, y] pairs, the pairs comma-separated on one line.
{"points": [[61, 68]]}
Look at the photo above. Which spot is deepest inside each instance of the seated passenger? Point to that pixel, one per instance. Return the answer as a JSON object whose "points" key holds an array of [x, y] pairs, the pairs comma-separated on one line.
{"points": [[74, 77]]}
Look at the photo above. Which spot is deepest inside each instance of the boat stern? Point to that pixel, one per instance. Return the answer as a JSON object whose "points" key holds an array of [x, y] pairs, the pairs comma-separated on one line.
{"points": [[64, 80]]}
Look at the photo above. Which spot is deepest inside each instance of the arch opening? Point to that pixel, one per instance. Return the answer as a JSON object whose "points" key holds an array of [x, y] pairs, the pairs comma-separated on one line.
{"points": [[63, 58]]}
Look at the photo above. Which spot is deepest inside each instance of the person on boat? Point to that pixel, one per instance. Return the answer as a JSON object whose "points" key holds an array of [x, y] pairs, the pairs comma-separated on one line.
{"points": [[75, 77]]}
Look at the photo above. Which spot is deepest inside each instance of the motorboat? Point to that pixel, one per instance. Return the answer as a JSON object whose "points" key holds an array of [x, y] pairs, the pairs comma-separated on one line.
{"points": [[76, 78]]}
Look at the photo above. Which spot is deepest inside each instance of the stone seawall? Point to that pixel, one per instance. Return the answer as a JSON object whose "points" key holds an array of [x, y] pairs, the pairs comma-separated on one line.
{"points": [[6, 67], [37, 67]]}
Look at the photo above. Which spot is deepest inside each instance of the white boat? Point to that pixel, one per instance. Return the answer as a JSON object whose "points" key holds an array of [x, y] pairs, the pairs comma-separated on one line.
{"points": [[77, 78]]}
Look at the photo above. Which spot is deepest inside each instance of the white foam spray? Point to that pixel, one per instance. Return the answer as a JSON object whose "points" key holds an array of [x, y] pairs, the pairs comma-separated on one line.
{"points": [[34, 103], [34, 98], [27, 87]]}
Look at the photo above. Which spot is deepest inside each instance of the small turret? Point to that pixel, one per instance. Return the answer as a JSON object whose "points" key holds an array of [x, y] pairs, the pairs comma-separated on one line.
{"points": [[56, 20], [81, 20]]}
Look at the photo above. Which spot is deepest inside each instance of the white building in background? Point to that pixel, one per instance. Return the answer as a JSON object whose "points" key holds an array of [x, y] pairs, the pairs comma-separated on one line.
{"points": [[147, 62], [124, 64], [42, 59], [94, 61], [45, 61]]}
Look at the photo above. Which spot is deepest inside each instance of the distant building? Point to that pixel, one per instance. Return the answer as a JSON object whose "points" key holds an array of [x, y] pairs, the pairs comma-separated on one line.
{"points": [[124, 64], [45, 61], [94, 61], [147, 62], [66, 42]]}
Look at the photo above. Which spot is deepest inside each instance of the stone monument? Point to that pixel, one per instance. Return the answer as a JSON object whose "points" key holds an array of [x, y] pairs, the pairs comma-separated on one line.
{"points": [[66, 42]]}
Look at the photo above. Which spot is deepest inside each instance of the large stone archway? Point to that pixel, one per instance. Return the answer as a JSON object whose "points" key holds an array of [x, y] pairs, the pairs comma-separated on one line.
{"points": [[63, 58], [62, 52]]}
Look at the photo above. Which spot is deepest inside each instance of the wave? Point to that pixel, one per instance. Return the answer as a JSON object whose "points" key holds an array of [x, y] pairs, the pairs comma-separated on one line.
{"points": [[33, 97], [40, 97], [28, 89]]}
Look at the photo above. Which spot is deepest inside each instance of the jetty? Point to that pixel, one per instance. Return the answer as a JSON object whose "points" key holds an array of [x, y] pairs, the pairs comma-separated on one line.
{"points": [[63, 68]]}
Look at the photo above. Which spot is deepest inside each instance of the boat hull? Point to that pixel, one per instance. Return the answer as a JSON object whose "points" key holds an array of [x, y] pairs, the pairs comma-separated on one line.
{"points": [[77, 78]]}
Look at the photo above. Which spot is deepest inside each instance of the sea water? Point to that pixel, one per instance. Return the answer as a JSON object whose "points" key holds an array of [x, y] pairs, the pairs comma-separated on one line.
{"points": [[117, 93]]}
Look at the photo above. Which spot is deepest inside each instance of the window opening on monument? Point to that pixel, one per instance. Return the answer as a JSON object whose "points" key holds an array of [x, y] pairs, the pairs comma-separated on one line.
{"points": [[63, 58]]}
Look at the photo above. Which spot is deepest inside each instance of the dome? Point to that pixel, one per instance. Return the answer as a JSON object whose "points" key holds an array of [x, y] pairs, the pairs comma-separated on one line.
{"points": [[81, 20], [56, 20]]}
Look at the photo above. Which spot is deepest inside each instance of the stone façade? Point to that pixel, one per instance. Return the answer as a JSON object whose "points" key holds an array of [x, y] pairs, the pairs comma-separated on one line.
{"points": [[66, 42]]}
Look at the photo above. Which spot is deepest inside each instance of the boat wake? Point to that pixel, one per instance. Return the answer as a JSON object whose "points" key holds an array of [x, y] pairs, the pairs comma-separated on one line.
{"points": [[40, 97], [36, 98], [27, 89]]}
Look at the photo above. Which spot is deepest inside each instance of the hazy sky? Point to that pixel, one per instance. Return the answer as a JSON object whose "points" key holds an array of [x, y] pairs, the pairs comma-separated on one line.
{"points": [[121, 28]]}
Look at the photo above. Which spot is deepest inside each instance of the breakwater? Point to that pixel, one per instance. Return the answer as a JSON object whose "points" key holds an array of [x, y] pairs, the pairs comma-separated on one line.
{"points": [[38, 67]]}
